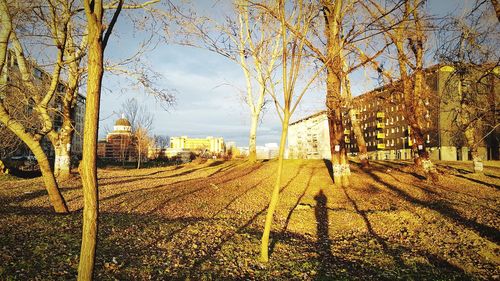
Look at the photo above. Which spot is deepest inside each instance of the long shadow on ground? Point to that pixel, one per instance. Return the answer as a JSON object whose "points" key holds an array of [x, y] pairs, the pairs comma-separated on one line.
{"points": [[143, 247]]}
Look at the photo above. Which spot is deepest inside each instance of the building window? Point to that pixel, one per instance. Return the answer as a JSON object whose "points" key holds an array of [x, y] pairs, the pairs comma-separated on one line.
{"points": [[397, 118]]}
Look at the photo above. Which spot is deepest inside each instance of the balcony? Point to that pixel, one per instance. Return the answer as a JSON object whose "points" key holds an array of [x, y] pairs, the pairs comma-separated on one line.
{"points": [[380, 136], [347, 139], [380, 114], [380, 125], [380, 145], [347, 131]]}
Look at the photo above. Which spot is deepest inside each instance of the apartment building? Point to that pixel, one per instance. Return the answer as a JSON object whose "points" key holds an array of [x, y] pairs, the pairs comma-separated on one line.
{"points": [[386, 131], [41, 79], [309, 138], [209, 144]]}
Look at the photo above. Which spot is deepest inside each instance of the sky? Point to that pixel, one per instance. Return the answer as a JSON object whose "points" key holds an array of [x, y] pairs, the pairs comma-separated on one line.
{"points": [[207, 90]]}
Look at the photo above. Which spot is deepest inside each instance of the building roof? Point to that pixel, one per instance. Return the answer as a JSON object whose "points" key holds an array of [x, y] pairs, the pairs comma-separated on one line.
{"points": [[122, 122], [309, 117]]}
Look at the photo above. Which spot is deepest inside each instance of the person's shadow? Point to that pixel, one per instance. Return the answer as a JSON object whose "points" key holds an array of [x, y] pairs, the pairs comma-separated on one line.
{"points": [[323, 240]]}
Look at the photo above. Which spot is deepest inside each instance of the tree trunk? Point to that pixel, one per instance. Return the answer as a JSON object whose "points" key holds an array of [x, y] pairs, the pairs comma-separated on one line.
{"points": [[496, 6], [355, 124], [62, 161], [252, 142], [139, 157], [477, 160], [360, 139], [333, 21], [264, 248], [55, 196], [88, 165]]}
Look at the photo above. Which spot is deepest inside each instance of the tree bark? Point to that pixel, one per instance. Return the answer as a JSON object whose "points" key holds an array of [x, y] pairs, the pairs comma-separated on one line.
{"points": [[477, 160], [139, 154], [360, 139], [62, 161], [496, 6], [356, 125], [252, 142], [264, 248], [88, 165], [55, 196], [333, 20]]}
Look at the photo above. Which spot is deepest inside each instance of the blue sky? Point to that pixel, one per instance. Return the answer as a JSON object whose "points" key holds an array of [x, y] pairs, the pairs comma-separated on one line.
{"points": [[208, 102]]}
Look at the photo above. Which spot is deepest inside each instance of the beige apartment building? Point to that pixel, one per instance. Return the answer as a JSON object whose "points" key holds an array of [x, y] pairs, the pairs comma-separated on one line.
{"points": [[209, 144]]}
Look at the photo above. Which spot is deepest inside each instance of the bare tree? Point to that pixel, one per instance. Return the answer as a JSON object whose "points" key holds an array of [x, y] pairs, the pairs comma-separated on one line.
{"points": [[141, 120], [245, 38], [37, 94], [406, 27], [162, 142], [469, 50], [337, 30], [98, 34], [300, 16]]}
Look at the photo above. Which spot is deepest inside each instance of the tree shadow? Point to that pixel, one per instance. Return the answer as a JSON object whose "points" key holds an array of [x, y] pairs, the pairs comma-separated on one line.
{"points": [[289, 216], [329, 167], [479, 181], [370, 230], [485, 231], [212, 250]]}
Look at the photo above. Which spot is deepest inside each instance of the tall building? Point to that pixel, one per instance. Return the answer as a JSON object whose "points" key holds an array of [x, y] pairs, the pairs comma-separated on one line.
{"points": [[387, 133], [209, 144]]}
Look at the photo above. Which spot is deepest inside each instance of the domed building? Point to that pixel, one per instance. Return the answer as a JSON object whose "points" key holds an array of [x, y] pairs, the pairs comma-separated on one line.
{"points": [[119, 144]]}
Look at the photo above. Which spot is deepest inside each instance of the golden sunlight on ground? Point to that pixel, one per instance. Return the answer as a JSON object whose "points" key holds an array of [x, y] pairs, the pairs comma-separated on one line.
{"points": [[205, 219]]}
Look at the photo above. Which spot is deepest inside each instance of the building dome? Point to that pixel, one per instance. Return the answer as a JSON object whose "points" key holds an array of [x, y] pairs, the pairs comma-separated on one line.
{"points": [[122, 122], [122, 126]]}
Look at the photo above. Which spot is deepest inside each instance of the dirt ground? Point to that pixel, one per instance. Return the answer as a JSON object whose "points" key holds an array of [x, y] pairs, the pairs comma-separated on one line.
{"points": [[203, 221]]}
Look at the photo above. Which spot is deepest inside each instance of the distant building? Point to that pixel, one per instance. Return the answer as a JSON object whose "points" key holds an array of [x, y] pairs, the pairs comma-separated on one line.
{"points": [[309, 138], [119, 144], [208, 144], [268, 151]]}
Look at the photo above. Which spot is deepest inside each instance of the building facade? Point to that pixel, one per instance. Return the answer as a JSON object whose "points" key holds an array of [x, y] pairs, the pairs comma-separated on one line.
{"points": [[387, 134], [309, 138], [209, 144], [119, 144], [42, 79]]}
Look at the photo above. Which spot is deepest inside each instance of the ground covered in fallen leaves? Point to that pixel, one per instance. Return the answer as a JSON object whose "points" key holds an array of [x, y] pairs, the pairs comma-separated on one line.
{"points": [[204, 220]]}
